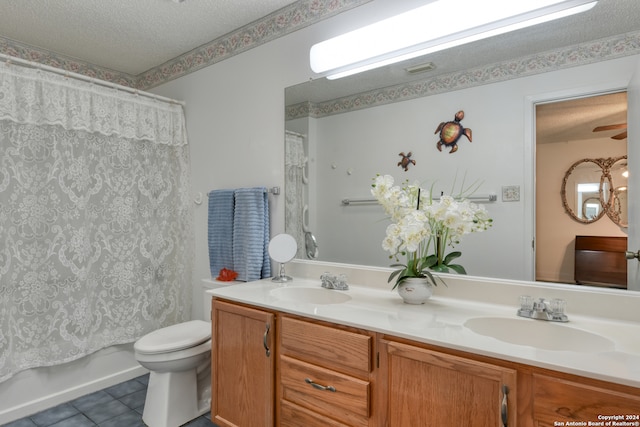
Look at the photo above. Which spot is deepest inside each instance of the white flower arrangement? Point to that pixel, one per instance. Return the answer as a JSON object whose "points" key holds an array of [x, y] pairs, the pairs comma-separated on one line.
{"points": [[421, 227]]}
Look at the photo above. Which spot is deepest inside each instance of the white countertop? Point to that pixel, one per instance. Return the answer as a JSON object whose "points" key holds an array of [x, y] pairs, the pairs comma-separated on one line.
{"points": [[441, 322]]}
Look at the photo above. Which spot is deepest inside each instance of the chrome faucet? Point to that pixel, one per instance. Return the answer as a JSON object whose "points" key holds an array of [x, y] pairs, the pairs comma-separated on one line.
{"points": [[332, 281], [543, 310]]}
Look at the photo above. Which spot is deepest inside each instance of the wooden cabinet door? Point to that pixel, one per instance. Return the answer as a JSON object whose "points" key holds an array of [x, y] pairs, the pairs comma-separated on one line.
{"points": [[242, 366], [558, 401], [429, 388]]}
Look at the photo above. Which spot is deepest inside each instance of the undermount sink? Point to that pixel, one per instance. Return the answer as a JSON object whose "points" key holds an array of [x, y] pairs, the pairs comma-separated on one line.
{"points": [[310, 295], [539, 334]]}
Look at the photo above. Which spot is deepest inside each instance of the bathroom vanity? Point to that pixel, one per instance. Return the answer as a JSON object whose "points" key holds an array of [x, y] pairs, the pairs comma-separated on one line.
{"points": [[297, 354]]}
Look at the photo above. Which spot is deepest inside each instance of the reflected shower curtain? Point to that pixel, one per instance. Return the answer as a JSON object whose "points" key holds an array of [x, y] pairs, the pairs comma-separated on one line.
{"points": [[95, 218], [294, 164]]}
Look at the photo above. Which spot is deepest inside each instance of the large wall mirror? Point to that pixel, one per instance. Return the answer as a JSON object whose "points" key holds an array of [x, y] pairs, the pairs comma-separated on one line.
{"points": [[348, 130], [338, 154]]}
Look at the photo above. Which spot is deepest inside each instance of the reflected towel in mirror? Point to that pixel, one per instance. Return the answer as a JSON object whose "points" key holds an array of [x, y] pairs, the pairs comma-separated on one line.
{"points": [[251, 234]]}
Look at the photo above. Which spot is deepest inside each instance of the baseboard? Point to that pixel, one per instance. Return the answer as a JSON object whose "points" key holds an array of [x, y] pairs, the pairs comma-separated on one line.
{"points": [[34, 404]]}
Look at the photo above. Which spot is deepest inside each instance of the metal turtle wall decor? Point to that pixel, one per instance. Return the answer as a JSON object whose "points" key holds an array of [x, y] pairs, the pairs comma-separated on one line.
{"points": [[450, 133], [406, 161]]}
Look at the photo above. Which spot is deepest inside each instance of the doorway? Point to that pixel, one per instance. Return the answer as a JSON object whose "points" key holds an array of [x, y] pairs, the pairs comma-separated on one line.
{"points": [[576, 137]]}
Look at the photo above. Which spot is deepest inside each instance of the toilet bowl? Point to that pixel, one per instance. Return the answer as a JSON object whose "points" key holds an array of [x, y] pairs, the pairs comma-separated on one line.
{"points": [[179, 360]]}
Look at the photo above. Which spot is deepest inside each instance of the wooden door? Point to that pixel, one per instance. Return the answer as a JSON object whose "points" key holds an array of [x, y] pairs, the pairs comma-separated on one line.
{"points": [[242, 366]]}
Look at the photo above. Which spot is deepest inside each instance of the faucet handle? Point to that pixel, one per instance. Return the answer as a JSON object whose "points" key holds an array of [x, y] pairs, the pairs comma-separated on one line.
{"points": [[327, 280], [558, 306], [526, 302], [342, 282]]}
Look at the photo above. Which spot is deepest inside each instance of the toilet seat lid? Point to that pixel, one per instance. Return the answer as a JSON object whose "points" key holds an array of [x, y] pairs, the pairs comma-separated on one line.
{"points": [[173, 338]]}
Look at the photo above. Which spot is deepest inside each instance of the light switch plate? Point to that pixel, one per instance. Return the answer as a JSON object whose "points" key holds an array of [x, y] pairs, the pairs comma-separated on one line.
{"points": [[511, 193]]}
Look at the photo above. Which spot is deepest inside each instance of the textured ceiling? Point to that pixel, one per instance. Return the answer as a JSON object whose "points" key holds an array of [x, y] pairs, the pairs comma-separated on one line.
{"points": [[575, 119], [129, 36]]}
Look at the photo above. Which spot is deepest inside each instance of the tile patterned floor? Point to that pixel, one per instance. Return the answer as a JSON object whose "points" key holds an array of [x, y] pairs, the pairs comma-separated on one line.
{"points": [[118, 406]]}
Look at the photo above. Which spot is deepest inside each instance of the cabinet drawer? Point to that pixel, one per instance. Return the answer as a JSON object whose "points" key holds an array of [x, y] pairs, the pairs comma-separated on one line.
{"points": [[349, 403], [556, 399], [337, 349], [295, 416]]}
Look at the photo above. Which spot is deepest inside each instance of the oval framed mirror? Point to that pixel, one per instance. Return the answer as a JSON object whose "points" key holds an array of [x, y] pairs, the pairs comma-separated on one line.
{"points": [[590, 208], [582, 191], [618, 176]]}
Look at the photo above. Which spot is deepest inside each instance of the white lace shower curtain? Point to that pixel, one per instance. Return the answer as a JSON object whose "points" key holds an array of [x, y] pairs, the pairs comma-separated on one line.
{"points": [[95, 218], [294, 165]]}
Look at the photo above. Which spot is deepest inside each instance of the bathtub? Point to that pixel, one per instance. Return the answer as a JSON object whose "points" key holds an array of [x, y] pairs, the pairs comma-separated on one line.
{"points": [[34, 390]]}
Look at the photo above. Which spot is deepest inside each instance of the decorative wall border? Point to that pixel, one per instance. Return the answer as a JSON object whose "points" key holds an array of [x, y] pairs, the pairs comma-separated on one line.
{"points": [[291, 18], [45, 57], [284, 21], [572, 56]]}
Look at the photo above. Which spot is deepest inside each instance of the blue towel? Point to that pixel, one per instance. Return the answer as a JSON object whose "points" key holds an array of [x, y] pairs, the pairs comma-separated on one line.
{"points": [[220, 230], [251, 234]]}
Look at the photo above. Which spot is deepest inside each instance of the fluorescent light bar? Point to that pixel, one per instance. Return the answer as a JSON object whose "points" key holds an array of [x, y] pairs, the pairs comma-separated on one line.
{"points": [[439, 25]]}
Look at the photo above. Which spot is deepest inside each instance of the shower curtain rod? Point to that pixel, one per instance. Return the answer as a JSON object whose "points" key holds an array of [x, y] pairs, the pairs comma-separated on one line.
{"points": [[12, 59]]}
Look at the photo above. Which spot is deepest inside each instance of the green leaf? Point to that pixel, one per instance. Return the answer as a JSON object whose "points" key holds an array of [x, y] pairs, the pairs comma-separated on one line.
{"points": [[394, 274], [430, 261], [458, 268], [452, 256], [431, 277], [400, 279], [398, 265], [442, 268]]}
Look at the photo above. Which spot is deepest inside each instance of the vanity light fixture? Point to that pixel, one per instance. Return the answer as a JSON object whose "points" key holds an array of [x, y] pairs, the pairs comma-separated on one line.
{"points": [[439, 25]]}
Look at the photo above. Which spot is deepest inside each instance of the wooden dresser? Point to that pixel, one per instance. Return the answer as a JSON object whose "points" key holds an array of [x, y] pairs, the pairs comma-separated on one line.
{"points": [[600, 260]]}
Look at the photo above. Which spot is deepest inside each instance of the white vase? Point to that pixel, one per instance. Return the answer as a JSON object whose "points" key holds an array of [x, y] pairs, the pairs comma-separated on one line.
{"points": [[415, 290]]}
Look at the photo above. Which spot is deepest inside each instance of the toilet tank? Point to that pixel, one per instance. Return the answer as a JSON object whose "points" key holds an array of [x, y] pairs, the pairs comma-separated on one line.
{"points": [[208, 284]]}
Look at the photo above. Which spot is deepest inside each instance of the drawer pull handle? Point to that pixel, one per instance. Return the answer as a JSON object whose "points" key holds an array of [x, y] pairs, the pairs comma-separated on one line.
{"points": [[319, 386], [504, 409], [265, 343]]}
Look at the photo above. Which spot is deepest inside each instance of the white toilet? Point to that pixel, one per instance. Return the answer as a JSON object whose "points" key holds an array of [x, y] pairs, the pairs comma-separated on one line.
{"points": [[179, 358]]}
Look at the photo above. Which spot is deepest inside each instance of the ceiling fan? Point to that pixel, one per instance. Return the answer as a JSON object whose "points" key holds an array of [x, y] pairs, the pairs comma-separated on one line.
{"points": [[621, 135]]}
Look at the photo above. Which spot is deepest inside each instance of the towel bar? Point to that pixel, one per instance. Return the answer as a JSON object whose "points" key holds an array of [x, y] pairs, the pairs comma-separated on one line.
{"points": [[351, 202]]}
